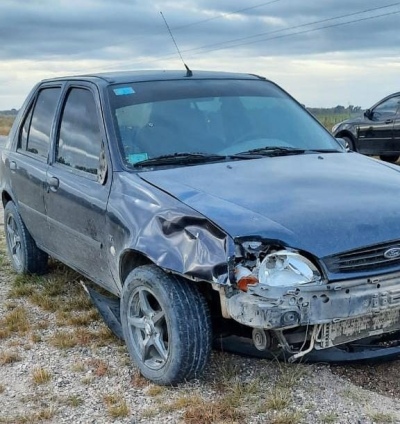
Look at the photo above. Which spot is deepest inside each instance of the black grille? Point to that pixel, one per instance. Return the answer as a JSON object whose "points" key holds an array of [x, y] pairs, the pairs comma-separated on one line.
{"points": [[365, 259]]}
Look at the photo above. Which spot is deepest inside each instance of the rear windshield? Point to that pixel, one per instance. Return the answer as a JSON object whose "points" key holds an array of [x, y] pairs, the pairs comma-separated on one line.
{"points": [[222, 117]]}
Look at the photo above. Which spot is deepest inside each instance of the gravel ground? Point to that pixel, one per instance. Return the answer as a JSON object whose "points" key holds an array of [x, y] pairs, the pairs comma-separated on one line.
{"points": [[94, 381]]}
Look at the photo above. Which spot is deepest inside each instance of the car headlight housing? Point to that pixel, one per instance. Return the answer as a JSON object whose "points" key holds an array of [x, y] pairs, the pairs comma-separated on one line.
{"points": [[285, 268]]}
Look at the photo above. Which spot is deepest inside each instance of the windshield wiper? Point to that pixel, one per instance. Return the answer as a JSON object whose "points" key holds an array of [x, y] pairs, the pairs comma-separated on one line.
{"points": [[282, 151], [272, 151], [180, 158]]}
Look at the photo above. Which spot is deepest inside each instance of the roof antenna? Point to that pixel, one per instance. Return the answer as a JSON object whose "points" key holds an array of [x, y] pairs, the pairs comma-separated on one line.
{"points": [[189, 73]]}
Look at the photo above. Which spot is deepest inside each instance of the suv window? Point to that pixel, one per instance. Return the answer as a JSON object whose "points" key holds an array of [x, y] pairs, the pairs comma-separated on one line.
{"points": [[36, 131], [387, 108], [79, 141]]}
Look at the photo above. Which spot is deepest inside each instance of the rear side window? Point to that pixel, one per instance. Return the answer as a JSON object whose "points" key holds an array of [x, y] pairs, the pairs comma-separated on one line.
{"points": [[79, 142], [35, 135]]}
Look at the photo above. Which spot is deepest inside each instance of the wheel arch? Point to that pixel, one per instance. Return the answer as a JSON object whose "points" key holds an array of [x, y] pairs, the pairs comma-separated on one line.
{"points": [[345, 133], [5, 197], [129, 260]]}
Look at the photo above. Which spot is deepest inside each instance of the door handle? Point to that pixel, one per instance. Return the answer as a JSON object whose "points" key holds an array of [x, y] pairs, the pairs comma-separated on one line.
{"points": [[53, 183], [13, 165], [388, 121]]}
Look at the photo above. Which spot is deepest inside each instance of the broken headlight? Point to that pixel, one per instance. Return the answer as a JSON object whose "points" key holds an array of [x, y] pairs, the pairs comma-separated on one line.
{"points": [[284, 268]]}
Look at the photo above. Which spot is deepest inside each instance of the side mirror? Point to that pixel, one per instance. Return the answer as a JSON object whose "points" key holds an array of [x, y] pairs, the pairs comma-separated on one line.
{"points": [[343, 143], [368, 113]]}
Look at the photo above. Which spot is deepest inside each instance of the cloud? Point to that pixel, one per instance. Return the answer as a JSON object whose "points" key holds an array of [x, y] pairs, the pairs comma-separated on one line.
{"points": [[79, 36]]}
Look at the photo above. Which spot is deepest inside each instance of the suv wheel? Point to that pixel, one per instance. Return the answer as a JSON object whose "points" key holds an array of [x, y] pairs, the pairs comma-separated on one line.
{"points": [[25, 256], [350, 143], [166, 325]]}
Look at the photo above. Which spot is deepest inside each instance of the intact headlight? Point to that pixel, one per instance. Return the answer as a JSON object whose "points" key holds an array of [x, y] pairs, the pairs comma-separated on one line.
{"points": [[285, 268]]}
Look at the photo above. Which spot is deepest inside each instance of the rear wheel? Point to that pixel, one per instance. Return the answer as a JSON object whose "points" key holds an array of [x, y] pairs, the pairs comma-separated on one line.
{"points": [[166, 325], [389, 158], [25, 256]]}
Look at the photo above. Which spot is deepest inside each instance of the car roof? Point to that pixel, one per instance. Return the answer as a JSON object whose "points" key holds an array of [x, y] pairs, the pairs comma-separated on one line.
{"points": [[154, 75]]}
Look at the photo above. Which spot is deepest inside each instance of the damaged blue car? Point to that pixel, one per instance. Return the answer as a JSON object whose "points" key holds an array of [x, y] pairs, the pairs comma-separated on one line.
{"points": [[214, 209]]}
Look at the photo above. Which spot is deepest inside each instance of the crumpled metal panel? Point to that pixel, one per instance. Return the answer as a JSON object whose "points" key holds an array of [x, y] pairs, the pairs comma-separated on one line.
{"points": [[172, 235]]}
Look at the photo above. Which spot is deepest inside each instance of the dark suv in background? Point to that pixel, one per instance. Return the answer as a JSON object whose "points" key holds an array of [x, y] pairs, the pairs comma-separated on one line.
{"points": [[375, 133]]}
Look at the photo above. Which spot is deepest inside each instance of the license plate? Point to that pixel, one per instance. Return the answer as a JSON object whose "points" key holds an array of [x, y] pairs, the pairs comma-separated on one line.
{"points": [[358, 328]]}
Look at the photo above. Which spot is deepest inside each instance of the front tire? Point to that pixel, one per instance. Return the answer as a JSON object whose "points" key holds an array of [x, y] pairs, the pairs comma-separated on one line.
{"points": [[166, 325], [25, 256], [350, 143]]}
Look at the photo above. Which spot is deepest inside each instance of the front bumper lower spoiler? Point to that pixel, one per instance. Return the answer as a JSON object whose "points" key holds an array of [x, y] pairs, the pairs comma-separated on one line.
{"points": [[109, 309], [332, 355]]}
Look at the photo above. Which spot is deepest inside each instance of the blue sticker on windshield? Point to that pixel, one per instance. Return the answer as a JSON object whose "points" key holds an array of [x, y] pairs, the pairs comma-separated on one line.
{"points": [[137, 157], [123, 91]]}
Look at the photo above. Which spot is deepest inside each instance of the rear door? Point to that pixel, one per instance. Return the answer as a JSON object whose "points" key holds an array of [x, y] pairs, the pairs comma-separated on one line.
{"points": [[28, 163], [375, 135], [78, 186]]}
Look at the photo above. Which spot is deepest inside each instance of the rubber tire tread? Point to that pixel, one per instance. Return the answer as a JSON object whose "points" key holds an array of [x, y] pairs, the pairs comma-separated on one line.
{"points": [[350, 143], [193, 319], [34, 260]]}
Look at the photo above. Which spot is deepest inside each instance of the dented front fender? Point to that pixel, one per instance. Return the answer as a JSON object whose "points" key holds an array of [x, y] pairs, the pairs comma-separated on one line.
{"points": [[172, 235]]}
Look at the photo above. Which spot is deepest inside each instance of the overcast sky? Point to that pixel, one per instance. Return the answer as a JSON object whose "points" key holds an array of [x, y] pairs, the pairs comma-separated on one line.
{"points": [[284, 40]]}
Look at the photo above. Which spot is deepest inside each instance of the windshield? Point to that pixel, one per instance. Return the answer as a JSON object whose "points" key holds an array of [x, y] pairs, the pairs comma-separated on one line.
{"points": [[215, 117]]}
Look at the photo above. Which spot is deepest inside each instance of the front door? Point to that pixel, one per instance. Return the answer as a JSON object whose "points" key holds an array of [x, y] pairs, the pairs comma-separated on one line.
{"points": [[375, 135]]}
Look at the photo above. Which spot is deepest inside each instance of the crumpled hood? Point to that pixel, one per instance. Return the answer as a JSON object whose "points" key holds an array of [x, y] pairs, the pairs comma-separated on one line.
{"points": [[323, 204]]}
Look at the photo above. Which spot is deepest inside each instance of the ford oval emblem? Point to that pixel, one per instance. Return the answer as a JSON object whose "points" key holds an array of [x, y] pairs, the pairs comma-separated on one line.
{"points": [[392, 253]]}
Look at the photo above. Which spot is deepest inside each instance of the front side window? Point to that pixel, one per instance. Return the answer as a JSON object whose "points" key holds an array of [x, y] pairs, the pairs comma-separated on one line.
{"points": [[213, 117], [79, 143], [36, 131], [387, 108]]}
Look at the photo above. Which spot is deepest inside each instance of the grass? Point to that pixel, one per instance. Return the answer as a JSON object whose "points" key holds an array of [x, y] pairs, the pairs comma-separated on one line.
{"points": [[74, 401], [32, 418], [287, 417], [328, 120], [211, 412], [87, 380], [116, 405], [5, 124], [100, 367], [59, 291], [279, 399], [78, 366], [381, 417], [15, 321], [40, 376], [153, 390], [329, 418], [138, 381], [9, 357], [232, 396]]}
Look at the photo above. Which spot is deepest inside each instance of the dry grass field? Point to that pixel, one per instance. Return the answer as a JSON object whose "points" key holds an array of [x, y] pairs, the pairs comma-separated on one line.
{"points": [[5, 124]]}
